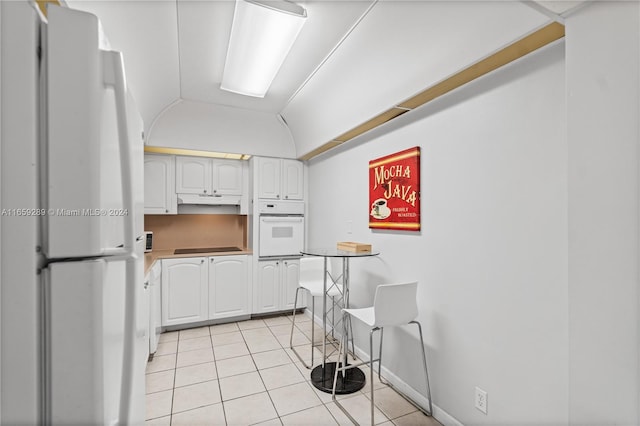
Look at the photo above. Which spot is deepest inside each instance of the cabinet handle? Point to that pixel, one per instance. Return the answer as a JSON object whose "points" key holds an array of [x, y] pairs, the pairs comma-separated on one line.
{"points": [[278, 196], [201, 260], [215, 190], [286, 196], [166, 210], [205, 191], [211, 259]]}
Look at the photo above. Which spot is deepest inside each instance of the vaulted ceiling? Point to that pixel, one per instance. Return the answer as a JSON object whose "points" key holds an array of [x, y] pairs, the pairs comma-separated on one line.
{"points": [[175, 49]]}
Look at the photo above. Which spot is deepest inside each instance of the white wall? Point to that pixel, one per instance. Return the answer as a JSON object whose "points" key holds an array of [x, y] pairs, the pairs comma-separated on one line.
{"points": [[202, 126], [491, 259], [390, 57], [602, 129]]}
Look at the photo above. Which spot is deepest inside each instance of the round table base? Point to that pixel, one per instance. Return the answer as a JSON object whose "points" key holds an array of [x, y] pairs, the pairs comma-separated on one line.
{"points": [[350, 381]]}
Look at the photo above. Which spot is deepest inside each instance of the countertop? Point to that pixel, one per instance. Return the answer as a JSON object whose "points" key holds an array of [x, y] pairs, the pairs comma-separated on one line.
{"points": [[151, 257]]}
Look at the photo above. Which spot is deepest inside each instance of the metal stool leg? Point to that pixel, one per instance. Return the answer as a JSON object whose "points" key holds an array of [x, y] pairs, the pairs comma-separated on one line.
{"points": [[371, 361], [353, 346], [343, 350], [293, 323], [424, 362], [313, 325], [380, 358], [428, 412]]}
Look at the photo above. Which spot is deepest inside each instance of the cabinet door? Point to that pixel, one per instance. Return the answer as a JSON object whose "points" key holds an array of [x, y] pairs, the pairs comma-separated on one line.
{"points": [[267, 286], [184, 291], [292, 180], [269, 175], [155, 306], [290, 277], [159, 184], [143, 319], [226, 177], [228, 286], [193, 175]]}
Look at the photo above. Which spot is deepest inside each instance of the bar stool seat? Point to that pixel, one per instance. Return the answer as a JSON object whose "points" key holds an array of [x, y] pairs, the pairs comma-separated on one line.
{"points": [[393, 305]]}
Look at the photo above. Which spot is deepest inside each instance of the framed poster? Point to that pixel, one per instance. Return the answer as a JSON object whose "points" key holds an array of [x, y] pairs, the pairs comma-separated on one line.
{"points": [[394, 191]]}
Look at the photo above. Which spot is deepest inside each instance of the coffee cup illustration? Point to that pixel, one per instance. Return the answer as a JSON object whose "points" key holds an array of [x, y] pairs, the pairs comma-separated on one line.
{"points": [[379, 209]]}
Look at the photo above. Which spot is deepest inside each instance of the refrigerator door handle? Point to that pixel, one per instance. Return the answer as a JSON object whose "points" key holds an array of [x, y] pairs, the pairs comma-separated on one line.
{"points": [[113, 69]]}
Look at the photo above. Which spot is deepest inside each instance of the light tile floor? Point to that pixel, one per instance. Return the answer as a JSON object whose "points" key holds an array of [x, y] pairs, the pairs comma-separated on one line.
{"points": [[244, 373]]}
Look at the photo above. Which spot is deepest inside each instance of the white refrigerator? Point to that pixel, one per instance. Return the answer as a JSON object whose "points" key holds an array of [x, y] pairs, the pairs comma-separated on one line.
{"points": [[72, 337]]}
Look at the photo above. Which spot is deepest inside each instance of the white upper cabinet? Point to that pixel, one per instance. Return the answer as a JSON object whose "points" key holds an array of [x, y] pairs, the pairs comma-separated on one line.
{"points": [[268, 171], [208, 176], [159, 185], [226, 177], [193, 175], [292, 180], [280, 179]]}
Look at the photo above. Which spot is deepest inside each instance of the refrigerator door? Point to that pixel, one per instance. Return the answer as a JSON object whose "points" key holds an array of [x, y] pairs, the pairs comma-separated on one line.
{"points": [[88, 173], [84, 345]]}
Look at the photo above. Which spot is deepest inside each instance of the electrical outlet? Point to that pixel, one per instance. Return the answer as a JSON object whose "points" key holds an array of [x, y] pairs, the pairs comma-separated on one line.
{"points": [[481, 400], [349, 227]]}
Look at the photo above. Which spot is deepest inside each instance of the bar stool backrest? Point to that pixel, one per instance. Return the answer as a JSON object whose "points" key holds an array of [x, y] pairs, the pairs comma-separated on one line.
{"points": [[395, 304], [312, 268]]}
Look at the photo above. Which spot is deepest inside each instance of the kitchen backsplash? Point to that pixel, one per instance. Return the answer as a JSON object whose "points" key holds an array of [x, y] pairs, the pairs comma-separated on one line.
{"points": [[197, 230]]}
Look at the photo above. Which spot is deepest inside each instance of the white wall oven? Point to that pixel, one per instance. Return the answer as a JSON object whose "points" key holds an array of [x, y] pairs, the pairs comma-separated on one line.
{"points": [[281, 230]]}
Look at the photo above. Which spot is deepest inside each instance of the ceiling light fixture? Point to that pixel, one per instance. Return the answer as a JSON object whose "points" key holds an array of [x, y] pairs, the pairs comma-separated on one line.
{"points": [[262, 34]]}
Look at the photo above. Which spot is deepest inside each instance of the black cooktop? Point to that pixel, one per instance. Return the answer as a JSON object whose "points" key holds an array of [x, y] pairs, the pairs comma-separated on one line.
{"points": [[205, 250]]}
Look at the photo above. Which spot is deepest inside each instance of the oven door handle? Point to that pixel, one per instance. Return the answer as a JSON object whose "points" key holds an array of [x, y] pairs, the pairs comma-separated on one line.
{"points": [[281, 219]]}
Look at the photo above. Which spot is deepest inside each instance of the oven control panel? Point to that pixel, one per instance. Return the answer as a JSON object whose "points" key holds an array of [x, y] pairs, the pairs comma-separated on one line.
{"points": [[281, 207]]}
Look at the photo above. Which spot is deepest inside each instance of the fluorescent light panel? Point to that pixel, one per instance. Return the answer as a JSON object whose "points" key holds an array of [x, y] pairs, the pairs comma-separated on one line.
{"points": [[262, 34]]}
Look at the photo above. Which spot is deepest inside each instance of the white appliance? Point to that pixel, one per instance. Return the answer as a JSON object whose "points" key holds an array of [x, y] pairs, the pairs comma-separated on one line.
{"points": [[281, 228], [148, 241], [72, 173]]}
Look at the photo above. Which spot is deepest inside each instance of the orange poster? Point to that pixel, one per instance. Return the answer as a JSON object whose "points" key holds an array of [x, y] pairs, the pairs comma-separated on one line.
{"points": [[394, 191]]}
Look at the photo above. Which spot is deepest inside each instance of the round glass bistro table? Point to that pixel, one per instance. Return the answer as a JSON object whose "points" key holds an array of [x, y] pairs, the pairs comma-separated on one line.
{"points": [[353, 379]]}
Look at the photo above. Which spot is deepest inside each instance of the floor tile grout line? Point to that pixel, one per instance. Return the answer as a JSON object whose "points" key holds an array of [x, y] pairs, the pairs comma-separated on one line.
{"points": [[173, 392], [265, 387], [215, 363]]}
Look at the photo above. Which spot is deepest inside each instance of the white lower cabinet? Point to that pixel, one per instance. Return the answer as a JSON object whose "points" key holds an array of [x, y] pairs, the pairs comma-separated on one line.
{"points": [[143, 317], [198, 289], [184, 291], [276, 284], [229, 294]]}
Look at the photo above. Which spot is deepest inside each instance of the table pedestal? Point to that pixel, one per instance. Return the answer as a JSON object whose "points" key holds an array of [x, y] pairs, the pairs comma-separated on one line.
{"points": [[353, 379], [349, 381]]}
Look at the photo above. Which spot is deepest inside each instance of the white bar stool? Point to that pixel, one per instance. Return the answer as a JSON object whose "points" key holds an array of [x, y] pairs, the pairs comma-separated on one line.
{"points": [[393, 305], [312, 280]]}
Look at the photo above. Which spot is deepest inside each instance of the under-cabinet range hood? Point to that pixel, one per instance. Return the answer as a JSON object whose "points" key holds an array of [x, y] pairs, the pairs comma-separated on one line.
{"points": [[207, 204], [210, 200]]}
